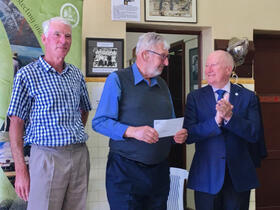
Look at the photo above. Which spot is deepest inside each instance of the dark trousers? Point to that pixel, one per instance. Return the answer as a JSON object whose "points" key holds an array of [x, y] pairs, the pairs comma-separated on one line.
{"points": [[226, 199], [132, 185]]}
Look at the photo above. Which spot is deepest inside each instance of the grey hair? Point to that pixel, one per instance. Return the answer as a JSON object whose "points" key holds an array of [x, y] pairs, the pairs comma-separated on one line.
{"points": [[148, 40], [46, 24]]}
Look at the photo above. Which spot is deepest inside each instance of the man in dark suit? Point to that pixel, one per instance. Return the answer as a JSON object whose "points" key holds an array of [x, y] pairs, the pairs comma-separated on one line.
{"points": [[222, 118]]}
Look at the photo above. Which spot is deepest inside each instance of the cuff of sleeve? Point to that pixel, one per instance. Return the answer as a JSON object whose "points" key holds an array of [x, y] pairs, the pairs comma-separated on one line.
{"points": [[122, 130], [21, 116], [227, 121]]}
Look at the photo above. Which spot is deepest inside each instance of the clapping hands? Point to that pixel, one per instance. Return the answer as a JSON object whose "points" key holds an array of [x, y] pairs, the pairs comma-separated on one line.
{"points": [[224, 109]]}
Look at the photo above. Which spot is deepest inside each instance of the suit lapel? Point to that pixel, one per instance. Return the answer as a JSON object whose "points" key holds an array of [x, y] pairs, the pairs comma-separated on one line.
{"points": [[209, 96], [235, 95]]}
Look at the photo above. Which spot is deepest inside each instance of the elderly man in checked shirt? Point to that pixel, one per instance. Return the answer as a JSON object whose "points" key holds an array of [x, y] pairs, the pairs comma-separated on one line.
{"points": [[49, 109]]}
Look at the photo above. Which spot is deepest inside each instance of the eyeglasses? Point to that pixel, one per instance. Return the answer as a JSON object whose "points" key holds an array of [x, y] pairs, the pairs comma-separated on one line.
{"points": [[163, 57]]}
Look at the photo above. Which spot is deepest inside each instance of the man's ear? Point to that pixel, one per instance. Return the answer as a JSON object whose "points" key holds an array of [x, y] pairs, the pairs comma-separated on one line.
{"points": [[145, 55], [229, 70], [43, 38]]}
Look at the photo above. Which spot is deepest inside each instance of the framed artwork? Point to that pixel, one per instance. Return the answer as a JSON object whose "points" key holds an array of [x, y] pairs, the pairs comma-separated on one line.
{"points": [[103, 56], [171, 10], [193, 68]]}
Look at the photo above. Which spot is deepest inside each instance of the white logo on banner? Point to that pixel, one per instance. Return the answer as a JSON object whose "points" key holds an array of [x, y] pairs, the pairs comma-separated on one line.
{"points": [[70, 12]]}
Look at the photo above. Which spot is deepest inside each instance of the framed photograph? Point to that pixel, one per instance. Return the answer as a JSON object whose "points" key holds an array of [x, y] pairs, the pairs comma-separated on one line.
{"points": [[103, 56], [171, 10], [193, 68]]}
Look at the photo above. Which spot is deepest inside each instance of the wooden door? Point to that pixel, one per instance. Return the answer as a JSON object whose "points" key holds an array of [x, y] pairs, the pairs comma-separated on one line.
{"points": [[174, 75], [267, 86]]}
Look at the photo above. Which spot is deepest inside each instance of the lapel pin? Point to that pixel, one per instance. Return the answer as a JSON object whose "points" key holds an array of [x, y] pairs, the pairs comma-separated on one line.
{"points": [[236, 94]]}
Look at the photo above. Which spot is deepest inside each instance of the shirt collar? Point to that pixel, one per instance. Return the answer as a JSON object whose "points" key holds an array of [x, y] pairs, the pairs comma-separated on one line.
{"points": [[226, 88], [139, 78], [47, 67]]}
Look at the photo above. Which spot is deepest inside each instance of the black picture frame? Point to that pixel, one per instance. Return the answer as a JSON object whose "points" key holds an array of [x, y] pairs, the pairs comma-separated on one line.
{"points": [[171, 11], [193, 68], [103, 56]]}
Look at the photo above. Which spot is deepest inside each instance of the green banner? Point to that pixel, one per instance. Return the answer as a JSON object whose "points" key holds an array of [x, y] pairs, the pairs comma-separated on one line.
{"points": [[37, 11], [6, 73], [20, 36], [7, 192]]}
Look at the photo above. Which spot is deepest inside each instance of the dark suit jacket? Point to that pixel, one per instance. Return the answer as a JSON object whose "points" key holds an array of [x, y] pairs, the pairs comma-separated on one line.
{"points": [[216, 147], [258, 150]]}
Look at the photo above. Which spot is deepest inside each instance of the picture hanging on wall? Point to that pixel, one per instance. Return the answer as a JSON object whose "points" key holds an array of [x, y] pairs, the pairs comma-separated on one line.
{"points": [[171, 10], [193, 61], [103, 56]]}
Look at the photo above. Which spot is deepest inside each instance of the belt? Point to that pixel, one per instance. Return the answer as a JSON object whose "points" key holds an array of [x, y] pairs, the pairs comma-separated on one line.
{"points": [[61, 148]]}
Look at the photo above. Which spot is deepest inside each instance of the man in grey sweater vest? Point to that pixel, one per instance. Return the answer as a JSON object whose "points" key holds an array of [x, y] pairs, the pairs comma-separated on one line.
{"points": [[137, 175]]}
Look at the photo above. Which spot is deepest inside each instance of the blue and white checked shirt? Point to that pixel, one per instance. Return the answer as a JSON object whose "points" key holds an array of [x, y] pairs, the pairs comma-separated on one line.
{"points": [[50, 104]]}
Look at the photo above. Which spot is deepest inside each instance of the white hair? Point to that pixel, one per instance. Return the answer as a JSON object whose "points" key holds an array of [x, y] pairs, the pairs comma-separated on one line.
{"points": [[229, 60], [148, 40], [46, 24], [225, 57]]}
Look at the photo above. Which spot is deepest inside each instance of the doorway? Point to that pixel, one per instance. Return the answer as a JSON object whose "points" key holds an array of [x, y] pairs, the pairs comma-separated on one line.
{"points": [[266, 75], [174, 75]]}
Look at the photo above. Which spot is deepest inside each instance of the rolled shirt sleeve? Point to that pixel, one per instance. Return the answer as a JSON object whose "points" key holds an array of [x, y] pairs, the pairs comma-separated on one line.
{"points": [[105, 120], [20, 101]]}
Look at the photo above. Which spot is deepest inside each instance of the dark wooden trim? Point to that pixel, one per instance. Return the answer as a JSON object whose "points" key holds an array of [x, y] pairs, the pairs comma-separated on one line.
{"points": [[200, 68], [164, 29], [266, 34]]}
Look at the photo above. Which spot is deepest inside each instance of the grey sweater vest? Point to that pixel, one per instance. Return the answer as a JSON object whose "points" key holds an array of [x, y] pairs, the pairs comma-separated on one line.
{"points": [[140, 105]]}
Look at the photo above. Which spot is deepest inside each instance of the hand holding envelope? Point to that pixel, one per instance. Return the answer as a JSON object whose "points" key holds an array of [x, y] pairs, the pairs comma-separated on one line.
{"points": [[162, 128], [171, 127]]}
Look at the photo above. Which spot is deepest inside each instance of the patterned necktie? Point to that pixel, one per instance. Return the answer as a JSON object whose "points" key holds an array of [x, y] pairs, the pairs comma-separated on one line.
{"points": [[220, 94]]}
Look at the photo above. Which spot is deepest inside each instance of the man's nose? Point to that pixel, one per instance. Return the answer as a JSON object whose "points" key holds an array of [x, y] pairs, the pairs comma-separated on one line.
{"points": [[63, 38]]}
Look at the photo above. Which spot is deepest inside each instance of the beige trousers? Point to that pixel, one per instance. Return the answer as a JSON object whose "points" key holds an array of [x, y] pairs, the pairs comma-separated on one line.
{"points": [[58, 177]]}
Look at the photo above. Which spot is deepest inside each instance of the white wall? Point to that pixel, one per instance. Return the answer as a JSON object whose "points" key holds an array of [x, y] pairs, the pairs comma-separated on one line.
{"points": [[98, 149]]}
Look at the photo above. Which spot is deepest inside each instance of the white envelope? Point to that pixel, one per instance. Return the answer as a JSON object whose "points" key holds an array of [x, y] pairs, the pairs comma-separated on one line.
{"points": [[168, 127]]}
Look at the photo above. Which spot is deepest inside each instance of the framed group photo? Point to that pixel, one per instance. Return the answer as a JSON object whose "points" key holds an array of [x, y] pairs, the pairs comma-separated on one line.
{"points": [[171, 10], [103, 56]]}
